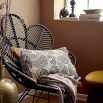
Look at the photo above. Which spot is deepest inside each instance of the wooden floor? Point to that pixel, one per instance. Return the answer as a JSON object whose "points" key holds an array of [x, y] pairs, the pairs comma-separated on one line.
{"points": [[53, 100]]}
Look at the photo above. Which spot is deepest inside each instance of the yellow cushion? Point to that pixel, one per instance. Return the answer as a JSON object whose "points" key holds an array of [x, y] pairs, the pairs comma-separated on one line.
{"points": [[95, 77], [16, 51]]}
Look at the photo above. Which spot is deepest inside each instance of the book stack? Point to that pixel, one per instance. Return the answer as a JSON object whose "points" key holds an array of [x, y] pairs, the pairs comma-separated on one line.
{"points": [[90, 17], [69, 18]]}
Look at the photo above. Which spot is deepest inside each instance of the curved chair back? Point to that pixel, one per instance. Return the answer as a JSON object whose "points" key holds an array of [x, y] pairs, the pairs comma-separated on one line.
{"points": [[15, 30], [40, 36]]}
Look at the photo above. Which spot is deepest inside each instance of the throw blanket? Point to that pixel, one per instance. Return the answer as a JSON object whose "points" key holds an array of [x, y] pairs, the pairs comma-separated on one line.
{"points": [[65, 84]]}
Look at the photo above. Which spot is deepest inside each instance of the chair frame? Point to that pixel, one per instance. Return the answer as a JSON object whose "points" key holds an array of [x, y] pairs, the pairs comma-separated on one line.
{"points": [[13, 66]]}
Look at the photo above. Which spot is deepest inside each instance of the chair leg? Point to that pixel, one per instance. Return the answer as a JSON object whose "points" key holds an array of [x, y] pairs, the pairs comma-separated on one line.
{"points": [[34, 96], [39, 96], [24, 94], [48, 97]]}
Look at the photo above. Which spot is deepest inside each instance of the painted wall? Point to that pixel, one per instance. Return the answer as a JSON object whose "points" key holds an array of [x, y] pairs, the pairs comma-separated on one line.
{"points": [[84, 39], [27, 9], [57, 8]]}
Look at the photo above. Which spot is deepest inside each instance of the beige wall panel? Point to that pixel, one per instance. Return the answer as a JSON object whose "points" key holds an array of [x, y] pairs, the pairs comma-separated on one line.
{"points": [[57, 8], [27, 9]]}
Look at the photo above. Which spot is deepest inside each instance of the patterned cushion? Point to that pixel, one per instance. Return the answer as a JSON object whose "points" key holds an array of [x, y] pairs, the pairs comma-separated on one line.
{"points": [[43, 62]]}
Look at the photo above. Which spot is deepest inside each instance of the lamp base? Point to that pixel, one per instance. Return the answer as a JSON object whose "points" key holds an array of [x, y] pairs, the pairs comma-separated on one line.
{"points": [[72, 15]]}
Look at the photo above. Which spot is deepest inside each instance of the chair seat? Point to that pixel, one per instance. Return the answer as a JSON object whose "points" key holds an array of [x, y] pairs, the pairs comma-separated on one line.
{"points": [[95, 77], [45, 87]]}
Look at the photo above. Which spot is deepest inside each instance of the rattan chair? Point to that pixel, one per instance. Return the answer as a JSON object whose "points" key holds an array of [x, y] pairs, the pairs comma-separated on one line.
{"points": [[35, 37]]}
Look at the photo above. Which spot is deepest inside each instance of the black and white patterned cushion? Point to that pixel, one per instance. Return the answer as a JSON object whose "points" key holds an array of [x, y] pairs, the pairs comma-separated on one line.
{"points": [[43, 62]]}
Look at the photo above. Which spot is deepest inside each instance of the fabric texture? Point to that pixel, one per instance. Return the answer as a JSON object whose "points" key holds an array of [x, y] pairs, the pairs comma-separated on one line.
{"points": [[36, 63], [65, 84]]}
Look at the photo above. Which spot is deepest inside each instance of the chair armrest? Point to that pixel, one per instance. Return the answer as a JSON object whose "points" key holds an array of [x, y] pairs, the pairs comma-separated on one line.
{"points": [[19, 76]]}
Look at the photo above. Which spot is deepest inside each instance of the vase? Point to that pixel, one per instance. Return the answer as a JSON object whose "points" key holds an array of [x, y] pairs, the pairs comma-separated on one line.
{"points": [[8, 89], [63, 12]]}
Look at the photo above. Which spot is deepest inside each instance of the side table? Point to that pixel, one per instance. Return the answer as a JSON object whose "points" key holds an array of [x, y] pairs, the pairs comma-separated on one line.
{"points": [[95, 92]]}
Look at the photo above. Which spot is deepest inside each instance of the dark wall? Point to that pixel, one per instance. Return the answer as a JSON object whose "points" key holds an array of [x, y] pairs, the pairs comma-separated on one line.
{"points": [[84, 39]]}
